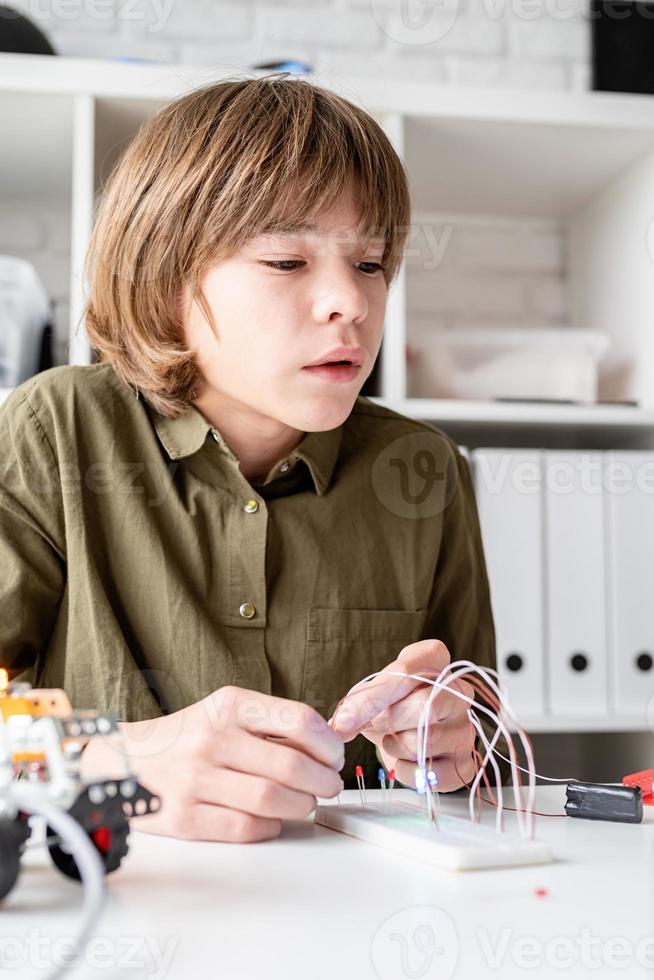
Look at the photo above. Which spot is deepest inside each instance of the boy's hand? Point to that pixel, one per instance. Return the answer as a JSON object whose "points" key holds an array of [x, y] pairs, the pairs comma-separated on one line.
{"points": [[230, 767], [387, 710]]}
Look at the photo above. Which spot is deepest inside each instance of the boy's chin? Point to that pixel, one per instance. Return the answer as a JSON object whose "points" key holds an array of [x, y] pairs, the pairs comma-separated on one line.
{"points": [[321, 414]]}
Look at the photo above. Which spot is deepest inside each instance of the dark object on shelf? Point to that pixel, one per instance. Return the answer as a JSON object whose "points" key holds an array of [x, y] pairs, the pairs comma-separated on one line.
{"points": [[622, 35], [628, 402], [599, 801], [46, 358], [292, 65], [18, 35], [538, 401], [371, 384]]}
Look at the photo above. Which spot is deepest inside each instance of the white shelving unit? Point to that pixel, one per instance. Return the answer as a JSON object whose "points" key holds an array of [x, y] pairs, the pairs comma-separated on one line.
{"points": [[585, 160]]}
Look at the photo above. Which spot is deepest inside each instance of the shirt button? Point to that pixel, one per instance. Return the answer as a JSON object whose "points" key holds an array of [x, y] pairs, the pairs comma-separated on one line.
{"points": [[284, 467], [251, 507], [247, 610]]}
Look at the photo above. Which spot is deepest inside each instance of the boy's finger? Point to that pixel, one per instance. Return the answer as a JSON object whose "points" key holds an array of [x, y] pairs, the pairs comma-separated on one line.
{"points": [[284, 764], [291, 722], [367, 701], [253, 794]]}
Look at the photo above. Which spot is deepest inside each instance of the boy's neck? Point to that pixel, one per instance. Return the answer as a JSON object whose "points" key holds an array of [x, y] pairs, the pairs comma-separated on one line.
{"points": [[259, 442]]}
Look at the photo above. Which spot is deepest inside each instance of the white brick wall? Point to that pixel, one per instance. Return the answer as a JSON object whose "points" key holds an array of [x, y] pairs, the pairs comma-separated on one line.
{"points": [[513, 43], [463, 269], [493, 271]]}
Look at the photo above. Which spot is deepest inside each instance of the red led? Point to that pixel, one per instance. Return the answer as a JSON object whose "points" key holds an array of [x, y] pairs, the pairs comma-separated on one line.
{"points": [[358, 771], [391, 774], [541, 892], [644, 780], [102, 838]]}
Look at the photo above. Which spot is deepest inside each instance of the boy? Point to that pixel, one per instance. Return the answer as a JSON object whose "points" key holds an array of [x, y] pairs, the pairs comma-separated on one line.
{"points": [[209, 535]]}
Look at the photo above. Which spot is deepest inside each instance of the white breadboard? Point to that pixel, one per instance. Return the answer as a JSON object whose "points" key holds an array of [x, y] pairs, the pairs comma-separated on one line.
{"points": [[456, 844]]}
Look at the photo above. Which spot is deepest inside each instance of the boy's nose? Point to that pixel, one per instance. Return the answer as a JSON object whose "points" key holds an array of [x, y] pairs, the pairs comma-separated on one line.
{"points": [[341, 297]]}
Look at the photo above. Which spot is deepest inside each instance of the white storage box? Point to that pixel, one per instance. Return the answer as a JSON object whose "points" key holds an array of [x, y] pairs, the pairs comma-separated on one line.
{"points": [[523, 363]]}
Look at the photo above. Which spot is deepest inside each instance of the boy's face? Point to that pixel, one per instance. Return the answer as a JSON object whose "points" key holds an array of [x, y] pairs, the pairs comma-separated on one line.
{"points": [[273, 320]]}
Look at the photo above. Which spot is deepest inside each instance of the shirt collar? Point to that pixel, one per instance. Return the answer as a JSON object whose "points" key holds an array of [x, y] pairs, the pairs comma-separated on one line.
{"points": [[186, 434], [320, 450]]}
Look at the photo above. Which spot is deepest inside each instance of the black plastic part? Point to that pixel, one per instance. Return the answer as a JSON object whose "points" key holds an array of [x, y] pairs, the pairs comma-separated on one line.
{"points": [[513, 662], [579, 661], [622, 36], [599, 801], [19, 35], [110, 817], [13, 834], [111, 857]]}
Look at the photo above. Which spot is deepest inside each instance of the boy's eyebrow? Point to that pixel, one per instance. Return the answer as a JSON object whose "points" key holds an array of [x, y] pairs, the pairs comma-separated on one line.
{"points": [[291, 230], [286, 231]]}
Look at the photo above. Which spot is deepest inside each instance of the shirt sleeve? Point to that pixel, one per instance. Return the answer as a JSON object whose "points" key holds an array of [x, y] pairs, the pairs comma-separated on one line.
{"points": [[32, 550], [460, 612]]}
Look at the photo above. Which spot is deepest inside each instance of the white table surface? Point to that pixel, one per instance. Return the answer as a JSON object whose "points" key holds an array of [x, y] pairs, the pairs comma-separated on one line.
{"points": [[315, 904]]}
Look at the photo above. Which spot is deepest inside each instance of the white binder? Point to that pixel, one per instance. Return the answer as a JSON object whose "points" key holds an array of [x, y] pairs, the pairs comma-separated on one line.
{"points": [[629, 496], [509, 491], [576, 654]]}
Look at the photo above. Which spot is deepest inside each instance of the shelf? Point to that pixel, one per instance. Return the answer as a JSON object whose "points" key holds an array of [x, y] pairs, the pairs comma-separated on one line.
{"points": [[477, 105], [516, 168], [116, 123], [37, 133], [480, 413], [509, 153], [543, 724]]}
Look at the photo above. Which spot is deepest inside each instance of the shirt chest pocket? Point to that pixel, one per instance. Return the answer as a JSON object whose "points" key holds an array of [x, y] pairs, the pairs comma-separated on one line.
{"points": [[345, 645]]}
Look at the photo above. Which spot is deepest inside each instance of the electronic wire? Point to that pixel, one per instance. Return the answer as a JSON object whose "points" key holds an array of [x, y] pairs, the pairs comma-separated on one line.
{"points": [[31, 798], [493, 692]]}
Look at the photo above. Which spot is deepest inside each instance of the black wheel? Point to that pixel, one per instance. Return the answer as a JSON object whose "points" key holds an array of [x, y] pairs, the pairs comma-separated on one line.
{"points": [[13, 834], [110, 843]]}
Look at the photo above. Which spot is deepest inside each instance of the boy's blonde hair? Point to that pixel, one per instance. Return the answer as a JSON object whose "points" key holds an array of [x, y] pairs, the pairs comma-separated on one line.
{"points": [[203, 176]]}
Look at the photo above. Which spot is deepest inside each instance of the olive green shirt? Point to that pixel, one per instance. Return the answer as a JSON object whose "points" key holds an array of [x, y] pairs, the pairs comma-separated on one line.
{"points": [[140, 570]]}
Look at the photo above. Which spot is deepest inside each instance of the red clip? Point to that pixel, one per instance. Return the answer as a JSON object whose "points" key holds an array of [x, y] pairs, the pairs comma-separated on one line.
{"points": [[644, 779]]}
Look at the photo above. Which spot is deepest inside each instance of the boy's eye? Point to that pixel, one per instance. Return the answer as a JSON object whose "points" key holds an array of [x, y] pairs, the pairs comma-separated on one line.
{"points": [[375, 267], [288, 265], [283, 264]]}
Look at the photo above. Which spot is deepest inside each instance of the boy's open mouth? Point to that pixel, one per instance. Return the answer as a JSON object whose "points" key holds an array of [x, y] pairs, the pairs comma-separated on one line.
{"points": [[352, 356], [340, 371]]}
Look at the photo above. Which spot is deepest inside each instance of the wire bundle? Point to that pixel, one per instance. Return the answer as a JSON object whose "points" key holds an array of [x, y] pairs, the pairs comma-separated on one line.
{"points": [[491, 699]]}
